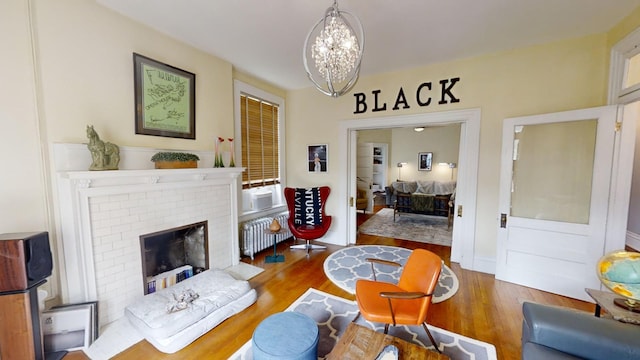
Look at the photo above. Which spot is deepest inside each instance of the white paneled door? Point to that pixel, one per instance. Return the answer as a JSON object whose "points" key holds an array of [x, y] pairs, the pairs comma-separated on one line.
{"points": [[554, 193]]}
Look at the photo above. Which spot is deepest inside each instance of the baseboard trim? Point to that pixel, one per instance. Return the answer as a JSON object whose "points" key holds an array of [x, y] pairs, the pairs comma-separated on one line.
{"points": [[633, 240], [484, 264]]}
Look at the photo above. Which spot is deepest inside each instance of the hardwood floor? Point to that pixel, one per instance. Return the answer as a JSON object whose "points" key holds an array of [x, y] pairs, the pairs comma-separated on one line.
{"points": [[483, 308]]}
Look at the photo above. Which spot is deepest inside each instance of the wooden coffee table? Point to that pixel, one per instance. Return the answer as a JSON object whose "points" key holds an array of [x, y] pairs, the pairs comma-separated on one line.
{"points": [[604, 300], [359, 342]]}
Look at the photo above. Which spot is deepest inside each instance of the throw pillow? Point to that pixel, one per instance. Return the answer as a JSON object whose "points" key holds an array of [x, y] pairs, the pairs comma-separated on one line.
{"points": [[444, 187], [425, 187], [398, 186], [410, 187], [307, 206]]}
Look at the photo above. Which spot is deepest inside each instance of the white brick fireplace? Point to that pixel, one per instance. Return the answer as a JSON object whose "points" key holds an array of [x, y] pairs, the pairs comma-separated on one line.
{"points": [[103, 214]]}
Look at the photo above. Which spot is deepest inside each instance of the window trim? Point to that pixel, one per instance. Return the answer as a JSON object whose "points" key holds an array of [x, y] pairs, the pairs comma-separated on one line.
{"points": [[621, 52]]}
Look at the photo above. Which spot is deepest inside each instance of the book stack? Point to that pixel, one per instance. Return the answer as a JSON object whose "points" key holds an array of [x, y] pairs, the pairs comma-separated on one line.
{"points": [[168, 278]]}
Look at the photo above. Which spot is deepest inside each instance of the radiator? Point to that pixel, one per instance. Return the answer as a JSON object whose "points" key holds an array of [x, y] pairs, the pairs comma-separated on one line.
{"points": [[255, 238]]}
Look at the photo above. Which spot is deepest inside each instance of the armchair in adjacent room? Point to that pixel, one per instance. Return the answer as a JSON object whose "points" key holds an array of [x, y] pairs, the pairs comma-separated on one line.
{"points": [[362, 200], [406, 303], [307, 218]]}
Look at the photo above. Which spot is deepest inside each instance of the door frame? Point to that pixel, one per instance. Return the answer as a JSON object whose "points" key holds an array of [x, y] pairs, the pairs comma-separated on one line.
{"points": [[463, 244], [629, 97], [621, 176]]}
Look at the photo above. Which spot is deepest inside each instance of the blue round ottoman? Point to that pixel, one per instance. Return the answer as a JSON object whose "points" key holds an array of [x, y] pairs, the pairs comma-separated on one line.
{"points": [[286, 336]]}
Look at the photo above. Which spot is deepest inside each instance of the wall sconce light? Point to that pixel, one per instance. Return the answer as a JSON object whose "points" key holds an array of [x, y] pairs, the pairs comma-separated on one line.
{"points": [[400, 165], [450, 165], [418, 128]]}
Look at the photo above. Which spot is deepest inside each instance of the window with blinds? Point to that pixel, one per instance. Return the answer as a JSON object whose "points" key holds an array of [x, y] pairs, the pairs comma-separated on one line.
{"points": [[260, 142]]}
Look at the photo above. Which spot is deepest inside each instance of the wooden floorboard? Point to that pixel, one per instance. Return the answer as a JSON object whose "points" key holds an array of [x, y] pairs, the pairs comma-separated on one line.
{"points": [[483, 308]]}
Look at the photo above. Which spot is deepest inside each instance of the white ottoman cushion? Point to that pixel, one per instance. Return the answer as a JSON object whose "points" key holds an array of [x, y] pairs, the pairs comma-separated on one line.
{"points": [[217, 291]]}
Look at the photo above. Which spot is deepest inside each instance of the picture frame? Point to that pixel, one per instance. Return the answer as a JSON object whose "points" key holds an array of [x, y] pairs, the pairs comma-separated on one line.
{"points": [[318, 158], [69, 327], [93, 309], [425, 160], [165, 99]]}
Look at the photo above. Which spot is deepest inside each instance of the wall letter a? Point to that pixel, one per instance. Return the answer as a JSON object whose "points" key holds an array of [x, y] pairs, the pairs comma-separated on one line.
{"points": [[401, 99]]}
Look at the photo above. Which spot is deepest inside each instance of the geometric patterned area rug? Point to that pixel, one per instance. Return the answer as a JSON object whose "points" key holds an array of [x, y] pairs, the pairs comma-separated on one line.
{"points": [[333, 314], [345, 266], [414, 227]]}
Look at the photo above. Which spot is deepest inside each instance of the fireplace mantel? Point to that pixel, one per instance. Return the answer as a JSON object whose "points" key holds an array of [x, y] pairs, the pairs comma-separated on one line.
{"points": [[109, 178], [103, 213]]}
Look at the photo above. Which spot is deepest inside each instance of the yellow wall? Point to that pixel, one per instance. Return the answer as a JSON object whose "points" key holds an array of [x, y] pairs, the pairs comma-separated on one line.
{"points": [[623, 28], [442, 141], [262, 85], [77, 69], [553, 77], [23, 201], [85, 57], [68, 64]]}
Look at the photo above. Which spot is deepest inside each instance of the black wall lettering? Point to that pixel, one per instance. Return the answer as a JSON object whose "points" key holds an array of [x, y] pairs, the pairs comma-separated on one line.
{"points": [[361, 105], [376, 107], [446, 90], [423, 97], [418, 98], [401, 99]]}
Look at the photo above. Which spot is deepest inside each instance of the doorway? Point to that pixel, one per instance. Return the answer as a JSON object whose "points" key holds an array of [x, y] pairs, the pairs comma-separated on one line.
{"points": [[394, 159], [462, 248]]}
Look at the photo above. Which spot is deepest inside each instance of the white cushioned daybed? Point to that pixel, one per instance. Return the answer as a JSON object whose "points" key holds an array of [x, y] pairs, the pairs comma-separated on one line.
{"points": [[220, 296]]}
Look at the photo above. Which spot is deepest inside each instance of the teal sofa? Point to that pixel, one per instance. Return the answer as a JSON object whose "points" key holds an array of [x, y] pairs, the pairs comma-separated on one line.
{"points": [[554, 333]]}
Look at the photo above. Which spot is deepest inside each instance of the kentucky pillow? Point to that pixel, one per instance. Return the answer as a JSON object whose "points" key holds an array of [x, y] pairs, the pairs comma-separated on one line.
{"points": [[307, 206]]}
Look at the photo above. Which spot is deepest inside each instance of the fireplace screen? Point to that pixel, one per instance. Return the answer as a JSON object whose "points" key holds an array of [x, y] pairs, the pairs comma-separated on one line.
{"points": [[173, 255]]}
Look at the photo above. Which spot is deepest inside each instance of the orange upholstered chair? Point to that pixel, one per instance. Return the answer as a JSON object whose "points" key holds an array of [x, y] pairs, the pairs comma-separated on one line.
{"points": [[307, 219], [406, 303]]}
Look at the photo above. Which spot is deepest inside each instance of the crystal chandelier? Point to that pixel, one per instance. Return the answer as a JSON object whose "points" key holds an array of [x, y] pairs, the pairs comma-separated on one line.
{"points": [[336, 50]]}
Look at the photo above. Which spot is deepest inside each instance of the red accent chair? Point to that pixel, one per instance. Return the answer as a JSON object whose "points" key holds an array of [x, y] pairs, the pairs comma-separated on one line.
{"points": [[308, 232], [406, 303]]}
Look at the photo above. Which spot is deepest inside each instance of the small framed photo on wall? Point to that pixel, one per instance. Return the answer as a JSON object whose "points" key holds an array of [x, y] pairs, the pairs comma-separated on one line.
{"points": [[318, 158], [424, 161]]}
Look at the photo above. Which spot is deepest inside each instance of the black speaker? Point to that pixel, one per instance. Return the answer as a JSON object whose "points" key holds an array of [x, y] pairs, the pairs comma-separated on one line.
{"points": [[25, 260]]}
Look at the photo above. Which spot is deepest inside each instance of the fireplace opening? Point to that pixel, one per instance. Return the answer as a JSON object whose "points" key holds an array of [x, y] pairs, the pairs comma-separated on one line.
{"points": [[172, 255]]}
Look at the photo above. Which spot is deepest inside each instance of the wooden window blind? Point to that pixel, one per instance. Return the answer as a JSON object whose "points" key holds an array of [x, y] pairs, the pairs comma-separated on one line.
{"points": [[260, 147]]}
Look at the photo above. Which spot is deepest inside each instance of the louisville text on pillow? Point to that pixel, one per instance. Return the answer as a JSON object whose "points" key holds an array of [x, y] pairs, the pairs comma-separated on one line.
{"points": [[307, 206]]}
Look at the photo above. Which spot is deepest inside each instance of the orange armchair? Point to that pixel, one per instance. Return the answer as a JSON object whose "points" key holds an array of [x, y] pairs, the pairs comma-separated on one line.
{"points": [[303, 226], [406, 303]]}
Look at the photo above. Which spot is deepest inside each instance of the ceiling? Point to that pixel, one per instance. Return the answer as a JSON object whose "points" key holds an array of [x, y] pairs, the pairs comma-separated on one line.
{"points": [[264, 38]]}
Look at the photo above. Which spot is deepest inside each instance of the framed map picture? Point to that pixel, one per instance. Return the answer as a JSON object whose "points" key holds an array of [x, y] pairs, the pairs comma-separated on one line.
{"points": [[165, 99]]}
